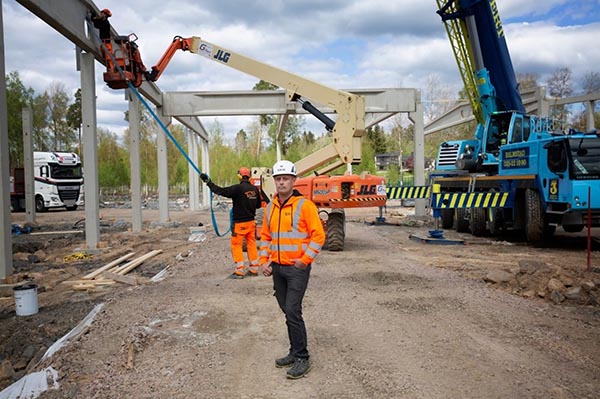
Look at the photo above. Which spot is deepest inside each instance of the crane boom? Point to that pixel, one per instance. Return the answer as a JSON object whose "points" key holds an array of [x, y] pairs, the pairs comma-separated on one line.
{"points": [[479, 45], [347, 129]]}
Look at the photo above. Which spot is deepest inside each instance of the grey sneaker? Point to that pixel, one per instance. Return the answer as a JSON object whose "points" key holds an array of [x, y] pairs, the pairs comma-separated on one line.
{"points": [[286, 361], [250, 274], [236, 276], [300, 368]]}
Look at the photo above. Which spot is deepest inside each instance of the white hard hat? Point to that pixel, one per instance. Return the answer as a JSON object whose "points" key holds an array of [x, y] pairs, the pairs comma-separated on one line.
{"points": [[284, 168]]}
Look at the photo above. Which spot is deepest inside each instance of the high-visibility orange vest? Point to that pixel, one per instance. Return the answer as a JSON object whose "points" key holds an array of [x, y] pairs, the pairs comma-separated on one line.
{"points": [[290, 232]]}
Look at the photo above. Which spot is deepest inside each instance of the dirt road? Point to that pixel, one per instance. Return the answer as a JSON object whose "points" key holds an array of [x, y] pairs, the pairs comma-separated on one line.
{"points": [[388, 317]]}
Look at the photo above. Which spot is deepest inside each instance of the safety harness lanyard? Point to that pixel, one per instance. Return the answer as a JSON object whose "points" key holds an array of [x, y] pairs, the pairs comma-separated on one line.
{"points": [[214, 220]]}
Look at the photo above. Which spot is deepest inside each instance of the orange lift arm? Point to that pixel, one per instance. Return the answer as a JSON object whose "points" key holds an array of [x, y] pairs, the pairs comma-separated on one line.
{"points": [[178, 43]]}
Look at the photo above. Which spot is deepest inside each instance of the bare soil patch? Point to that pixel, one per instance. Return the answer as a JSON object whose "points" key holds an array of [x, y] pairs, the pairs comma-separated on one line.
{"points": [[387, 317]]}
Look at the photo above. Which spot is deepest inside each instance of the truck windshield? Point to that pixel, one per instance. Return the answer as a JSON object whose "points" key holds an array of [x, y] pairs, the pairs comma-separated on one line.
{"points": [[497, 133], [65, 171], [585, 157]]}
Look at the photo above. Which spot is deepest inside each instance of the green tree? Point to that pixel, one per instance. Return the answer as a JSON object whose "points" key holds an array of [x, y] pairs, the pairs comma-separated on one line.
{"points": [[224, 162], [241, 141], [377, 138], [58, 104], [367, 163], [41, 139], [291, 132], [177, 163], [264, 120], [74, 117], [17, 97], [113, 161], [307, 138]]}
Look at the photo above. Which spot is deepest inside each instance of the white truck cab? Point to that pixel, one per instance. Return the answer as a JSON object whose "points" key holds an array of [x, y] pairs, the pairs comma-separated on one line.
{"points": [[58, 182]]}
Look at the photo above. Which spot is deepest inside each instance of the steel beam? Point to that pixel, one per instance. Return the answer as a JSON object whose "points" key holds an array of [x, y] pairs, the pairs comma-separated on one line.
{"points": [[273, 102]]}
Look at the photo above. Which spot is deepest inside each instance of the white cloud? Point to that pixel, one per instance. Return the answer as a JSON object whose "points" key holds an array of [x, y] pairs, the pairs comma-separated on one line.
{"points": [[339, 43], [554, 47]]}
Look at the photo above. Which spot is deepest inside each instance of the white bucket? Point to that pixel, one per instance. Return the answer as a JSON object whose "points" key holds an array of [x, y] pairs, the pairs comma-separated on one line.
{"points": [[26, 300]]}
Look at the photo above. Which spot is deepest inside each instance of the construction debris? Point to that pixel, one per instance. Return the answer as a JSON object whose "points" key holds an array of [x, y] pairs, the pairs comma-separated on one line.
{"points": [[112, 273], [108, 266], [77, 256]]}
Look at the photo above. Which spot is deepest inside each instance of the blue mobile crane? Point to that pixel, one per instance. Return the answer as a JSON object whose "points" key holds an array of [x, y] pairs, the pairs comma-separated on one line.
{"points": [[520, 171]]}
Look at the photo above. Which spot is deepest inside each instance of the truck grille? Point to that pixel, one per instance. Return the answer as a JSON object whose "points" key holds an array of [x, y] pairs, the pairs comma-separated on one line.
{"points": [[448, 155], [68, 193]]}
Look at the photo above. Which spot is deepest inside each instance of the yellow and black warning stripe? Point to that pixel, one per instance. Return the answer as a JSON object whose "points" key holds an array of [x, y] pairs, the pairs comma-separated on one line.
{"points": [[359, 199], [408, 192], [471, 200]]}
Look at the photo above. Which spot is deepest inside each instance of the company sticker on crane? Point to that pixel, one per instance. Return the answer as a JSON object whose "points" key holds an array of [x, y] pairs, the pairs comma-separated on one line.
{"points": [[205, 49], [516, 158]]}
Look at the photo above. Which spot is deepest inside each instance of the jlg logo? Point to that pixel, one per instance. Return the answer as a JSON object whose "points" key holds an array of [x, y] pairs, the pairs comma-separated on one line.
{"points": [[222, 56], [367, 190]]}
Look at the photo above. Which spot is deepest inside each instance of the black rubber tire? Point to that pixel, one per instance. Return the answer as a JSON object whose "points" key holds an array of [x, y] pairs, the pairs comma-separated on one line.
{"points": [[573, 228], [537, 230], [14, 205], [461, 223], [336, 232], [447, 216], [477, 221], [495, 221], [39, 204]]}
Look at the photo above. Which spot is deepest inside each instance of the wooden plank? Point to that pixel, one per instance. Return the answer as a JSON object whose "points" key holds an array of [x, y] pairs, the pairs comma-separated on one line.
{"points": [[126, 268], [45, 233], [131, 280], [92, 282], [20, 283], [84, 287], [130, 356], [108, 266]]}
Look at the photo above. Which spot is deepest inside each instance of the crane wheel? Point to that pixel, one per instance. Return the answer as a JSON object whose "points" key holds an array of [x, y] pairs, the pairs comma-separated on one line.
{"points": [[537, 229], [461, 220], [477, 221], [495, 221], [447, 218]]}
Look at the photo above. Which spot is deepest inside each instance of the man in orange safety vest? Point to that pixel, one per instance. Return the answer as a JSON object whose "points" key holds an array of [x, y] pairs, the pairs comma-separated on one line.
{"points": [[291, 237]]}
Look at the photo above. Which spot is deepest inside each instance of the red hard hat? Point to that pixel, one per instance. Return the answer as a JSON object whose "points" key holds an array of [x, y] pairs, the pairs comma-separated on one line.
{"points": [[107, 12], [244, 172]]}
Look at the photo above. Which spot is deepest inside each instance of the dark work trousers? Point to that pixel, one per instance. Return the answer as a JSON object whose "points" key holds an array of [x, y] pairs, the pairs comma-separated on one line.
{"points": [[290, 284]]}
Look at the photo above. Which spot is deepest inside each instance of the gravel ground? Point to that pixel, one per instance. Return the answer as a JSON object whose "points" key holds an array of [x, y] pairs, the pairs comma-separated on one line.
{"points": [[387, 317]]}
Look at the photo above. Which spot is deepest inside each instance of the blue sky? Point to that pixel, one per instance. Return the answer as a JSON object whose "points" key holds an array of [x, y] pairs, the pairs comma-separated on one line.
{"points": [[341, 43], [563, 13]]}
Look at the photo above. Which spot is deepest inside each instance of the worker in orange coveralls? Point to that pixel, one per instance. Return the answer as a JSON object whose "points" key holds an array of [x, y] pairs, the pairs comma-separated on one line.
{"points": [[246, 200], [101, 23]]}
